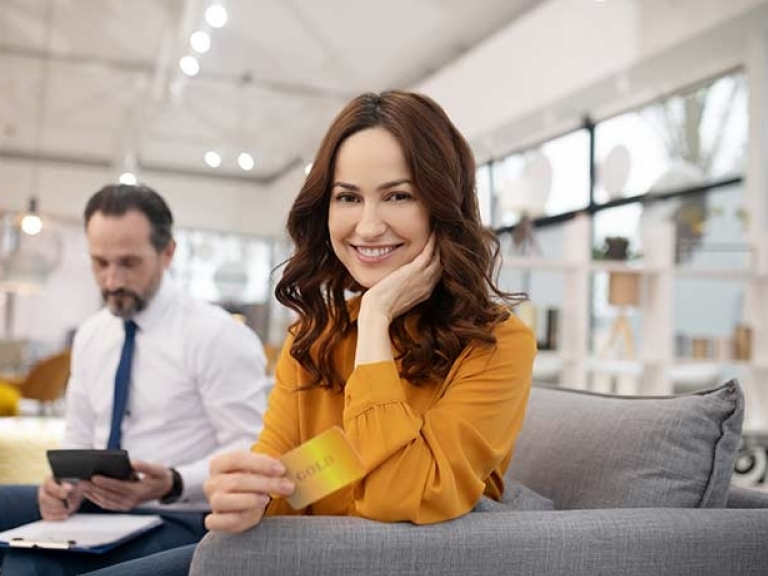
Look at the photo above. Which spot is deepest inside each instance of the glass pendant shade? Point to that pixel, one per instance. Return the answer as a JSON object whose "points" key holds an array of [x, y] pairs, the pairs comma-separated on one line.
{"points": [[30, 249]]}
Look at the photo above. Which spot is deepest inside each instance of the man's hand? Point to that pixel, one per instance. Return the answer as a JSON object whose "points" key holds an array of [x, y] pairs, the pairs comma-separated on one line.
{"points": [[58, 501], [154, 481]]}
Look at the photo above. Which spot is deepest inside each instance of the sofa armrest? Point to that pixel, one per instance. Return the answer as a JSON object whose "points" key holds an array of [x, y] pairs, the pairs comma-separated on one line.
{"points": [[739, 497], [633, 542]]}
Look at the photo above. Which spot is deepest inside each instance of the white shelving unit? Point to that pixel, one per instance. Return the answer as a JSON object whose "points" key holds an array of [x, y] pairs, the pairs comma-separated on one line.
{"points": [[654, 369]]}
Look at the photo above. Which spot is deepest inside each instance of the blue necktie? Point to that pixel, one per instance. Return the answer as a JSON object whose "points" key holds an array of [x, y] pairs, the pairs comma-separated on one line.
{"points": [[122, 381]]}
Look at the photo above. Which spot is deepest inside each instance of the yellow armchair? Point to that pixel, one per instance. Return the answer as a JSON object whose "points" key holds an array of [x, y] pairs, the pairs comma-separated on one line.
{"points": [[46, 380], [9, 399]]}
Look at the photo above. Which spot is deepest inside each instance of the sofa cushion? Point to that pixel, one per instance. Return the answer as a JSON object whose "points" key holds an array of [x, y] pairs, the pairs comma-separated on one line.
{"points": [[588, 450], [516, 497]]}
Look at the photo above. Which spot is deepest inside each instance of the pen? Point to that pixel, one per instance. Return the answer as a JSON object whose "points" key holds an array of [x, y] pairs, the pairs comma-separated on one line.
{"points": [[63, 500]]}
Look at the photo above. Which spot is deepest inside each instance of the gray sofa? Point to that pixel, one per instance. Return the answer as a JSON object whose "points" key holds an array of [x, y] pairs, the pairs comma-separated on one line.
{"points": [[623, 486]]}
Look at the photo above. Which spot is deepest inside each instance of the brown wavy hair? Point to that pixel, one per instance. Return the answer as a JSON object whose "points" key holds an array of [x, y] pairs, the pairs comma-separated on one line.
{"points": [[463, 307]]}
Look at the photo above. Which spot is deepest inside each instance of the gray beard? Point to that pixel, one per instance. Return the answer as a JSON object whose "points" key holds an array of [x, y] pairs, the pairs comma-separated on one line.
{"points": [[130, 303]]}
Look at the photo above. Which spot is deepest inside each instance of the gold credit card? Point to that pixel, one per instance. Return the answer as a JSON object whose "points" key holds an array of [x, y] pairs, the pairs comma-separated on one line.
{"points": [[321, 466]]}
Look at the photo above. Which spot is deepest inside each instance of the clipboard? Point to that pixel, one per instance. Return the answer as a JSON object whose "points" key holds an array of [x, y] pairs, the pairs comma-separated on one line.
{"points": [[91, 533]]}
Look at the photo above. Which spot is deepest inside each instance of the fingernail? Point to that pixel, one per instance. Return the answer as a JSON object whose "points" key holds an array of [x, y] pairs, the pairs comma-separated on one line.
{"points": [[286, 486], [278, 468]]}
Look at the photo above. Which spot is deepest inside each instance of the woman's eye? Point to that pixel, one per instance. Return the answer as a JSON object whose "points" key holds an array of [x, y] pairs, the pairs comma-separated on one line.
{"points": [[345, 197], [400, 196]]}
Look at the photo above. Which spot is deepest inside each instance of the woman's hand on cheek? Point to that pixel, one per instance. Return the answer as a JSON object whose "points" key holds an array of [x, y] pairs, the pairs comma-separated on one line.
{"points": [[405, 287], [240, 488]]}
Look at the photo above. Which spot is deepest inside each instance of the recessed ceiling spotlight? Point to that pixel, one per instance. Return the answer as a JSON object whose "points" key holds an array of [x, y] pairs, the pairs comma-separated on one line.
{"points": [[200, 41], [213, 159], [189, 65], [128, 178], [216, 15], [245, 161], [308, 168]]}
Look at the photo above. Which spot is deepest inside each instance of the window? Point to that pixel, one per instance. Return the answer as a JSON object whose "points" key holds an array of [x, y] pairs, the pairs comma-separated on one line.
{"points": [[550, 179], [697, 136]]}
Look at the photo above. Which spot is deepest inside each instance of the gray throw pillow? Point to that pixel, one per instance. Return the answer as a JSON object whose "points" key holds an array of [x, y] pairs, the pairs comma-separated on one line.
{"points": [[587, 450]]}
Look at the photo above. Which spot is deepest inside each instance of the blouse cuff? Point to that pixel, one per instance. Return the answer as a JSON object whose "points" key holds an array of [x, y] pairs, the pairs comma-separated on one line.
{"points": [[372, 385]]}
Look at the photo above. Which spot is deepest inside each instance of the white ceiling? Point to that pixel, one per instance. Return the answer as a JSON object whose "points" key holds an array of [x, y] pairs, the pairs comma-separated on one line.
{"points": [[92, 82]]}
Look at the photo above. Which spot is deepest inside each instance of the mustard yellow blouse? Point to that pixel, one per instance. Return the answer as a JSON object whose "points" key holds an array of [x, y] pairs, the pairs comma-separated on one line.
{"points": [[431, 452]]}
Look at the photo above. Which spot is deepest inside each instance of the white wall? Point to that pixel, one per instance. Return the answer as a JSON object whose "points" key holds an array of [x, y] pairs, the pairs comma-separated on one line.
{"points": [[278, 200], [196, 202]]}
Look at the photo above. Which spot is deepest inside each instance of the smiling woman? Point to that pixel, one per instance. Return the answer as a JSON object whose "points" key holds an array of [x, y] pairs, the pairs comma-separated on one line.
{"points": [[424, 368]]}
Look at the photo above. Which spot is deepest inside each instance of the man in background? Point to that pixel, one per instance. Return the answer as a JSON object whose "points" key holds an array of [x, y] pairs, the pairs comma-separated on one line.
{"points": [[171, 379]]}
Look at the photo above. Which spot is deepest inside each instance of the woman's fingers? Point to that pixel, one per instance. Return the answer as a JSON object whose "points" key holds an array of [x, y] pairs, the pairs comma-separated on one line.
{"points": [[240, 488], [243, 461], [407, 286], [234, 522], [226, 503], [238, 482]]}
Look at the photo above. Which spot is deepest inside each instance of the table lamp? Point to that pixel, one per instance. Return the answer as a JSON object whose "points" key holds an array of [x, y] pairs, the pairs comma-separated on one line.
{"points": [[623, 293]]}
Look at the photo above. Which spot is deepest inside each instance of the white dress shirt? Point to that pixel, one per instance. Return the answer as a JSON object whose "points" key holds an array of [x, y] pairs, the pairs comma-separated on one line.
{"points": [[198, 387]]}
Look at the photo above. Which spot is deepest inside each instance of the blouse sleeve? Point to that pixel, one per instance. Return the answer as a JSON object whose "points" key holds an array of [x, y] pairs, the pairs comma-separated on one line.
{"points": [[281, 427], [432, 467]]}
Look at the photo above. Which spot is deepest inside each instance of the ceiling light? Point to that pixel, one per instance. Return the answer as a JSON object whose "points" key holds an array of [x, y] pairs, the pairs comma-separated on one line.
{"points": [[213, 159], [31, 224], [128, 178], [308, 168], [189, 65], [216, 15], [200, 42], [245, 161]]}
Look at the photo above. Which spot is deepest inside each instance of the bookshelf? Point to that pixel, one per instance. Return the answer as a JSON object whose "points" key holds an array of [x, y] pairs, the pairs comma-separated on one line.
{"points": [[654, 368]]}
